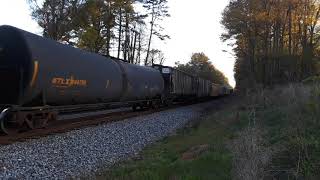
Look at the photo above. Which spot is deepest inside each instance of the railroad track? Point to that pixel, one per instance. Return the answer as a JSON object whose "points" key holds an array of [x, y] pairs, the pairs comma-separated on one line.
{"points": [[66, 123]]}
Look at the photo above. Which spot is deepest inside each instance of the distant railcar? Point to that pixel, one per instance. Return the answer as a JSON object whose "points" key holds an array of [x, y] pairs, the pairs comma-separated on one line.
{"points": [[179, 84], [182, 83], [204, 88], [215, 90], [225, 90]]}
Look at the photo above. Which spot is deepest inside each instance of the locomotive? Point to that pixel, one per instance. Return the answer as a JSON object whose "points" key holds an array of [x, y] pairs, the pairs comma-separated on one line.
{"points": [[42, 78]]}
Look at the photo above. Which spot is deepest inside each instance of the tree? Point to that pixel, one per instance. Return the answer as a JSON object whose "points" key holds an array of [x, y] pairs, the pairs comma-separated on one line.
{"points": [[201, 66], [158, 10], [128, 23], [156, 57], [100, 25], [95, 31], [56, 17], [276, 41], [88, 24], [140, 45]]}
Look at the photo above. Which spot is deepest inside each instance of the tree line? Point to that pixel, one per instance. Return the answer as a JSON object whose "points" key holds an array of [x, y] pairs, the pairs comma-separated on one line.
{"points": [[124, 29], [105, 26], [201, 66], [275, 41]]}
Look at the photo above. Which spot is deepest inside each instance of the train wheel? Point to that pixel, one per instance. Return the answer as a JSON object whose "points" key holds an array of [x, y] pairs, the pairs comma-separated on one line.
{"points": [[156, 105], [29, 122], [45, 121], [7, 126], [151, 105], [168, 102], [49, 118]]}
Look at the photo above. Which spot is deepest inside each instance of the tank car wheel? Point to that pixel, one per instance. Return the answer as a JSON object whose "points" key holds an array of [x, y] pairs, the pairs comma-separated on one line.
{"points": [[156, 105], [28, 121], [150, 105], [45, 122], [50, 117], [7, 127], [168, 102]]}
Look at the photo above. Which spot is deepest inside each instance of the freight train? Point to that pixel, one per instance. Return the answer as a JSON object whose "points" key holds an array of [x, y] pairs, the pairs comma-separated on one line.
{"points": [[42, 78]]}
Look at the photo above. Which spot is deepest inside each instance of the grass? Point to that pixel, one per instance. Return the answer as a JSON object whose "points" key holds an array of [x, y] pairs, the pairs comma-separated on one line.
{"points": [[289, 119], [268, 134], [196, 152]]}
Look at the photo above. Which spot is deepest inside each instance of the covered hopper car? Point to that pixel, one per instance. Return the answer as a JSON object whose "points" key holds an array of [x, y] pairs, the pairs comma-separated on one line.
{"points": [[181, 85]]}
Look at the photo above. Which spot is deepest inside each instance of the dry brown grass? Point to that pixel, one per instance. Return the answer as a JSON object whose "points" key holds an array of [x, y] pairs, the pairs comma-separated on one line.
{"points": [[250, 156], [285, 114]]}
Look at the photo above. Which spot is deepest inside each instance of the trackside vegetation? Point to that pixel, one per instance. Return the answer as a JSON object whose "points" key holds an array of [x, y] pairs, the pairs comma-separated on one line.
{"points": [[284, 132], [195, 152], [265, 134], [281, 136]]}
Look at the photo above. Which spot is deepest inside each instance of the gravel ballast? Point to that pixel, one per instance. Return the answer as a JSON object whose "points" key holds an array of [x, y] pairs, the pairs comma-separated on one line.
{"points": [[82, 152]]}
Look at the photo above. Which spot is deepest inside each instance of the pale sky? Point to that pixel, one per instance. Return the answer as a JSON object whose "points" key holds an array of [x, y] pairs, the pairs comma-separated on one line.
{"points": [[194, 26]]}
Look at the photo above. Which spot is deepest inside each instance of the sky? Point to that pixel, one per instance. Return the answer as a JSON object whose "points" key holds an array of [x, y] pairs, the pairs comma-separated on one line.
{"points": [[194, 26]]}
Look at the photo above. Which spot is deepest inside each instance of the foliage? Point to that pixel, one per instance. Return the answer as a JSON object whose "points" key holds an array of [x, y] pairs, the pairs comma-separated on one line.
{"points": [[312, 80], [276, 41], [156, 57], [97, 20], [109, 27], [201, 66], [56, 17], [288, 117], [267, 134], [158, 10]]}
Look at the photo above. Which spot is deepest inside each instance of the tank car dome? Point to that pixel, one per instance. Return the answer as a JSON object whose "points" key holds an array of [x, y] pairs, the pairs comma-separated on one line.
{"points": [[15, 64]]}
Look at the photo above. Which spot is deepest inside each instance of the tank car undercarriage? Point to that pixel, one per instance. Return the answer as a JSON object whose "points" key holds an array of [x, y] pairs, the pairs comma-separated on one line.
{"points": [[15, 119]]}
